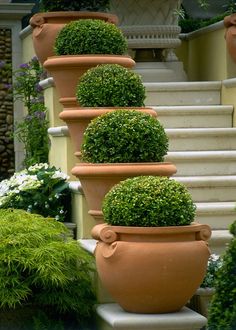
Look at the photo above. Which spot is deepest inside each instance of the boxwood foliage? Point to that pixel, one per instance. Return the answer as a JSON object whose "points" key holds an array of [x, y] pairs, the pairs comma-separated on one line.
{"points": [[124, 136], [110, 85], [222, 312], [148, 201], [74, 5], [90, 36], [41, 265]]}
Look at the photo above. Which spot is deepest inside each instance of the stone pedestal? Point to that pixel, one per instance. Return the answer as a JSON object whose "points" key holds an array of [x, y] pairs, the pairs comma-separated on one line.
{"points": [[113, 317]]}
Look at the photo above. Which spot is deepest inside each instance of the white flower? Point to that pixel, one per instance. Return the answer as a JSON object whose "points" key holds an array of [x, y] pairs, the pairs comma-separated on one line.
{"points": [[41, 166], [60, 175], [30, 182], [4, 200], [4, 188], [214, 257]]}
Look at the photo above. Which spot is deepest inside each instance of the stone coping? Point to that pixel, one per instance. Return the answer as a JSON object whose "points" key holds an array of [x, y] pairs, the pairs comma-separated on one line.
{"points": [[12, 11], [229, 83], [210, 28]]}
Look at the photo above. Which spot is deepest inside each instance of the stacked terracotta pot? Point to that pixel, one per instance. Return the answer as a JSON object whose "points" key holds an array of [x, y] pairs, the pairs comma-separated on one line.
{"points": [[102, 177]]}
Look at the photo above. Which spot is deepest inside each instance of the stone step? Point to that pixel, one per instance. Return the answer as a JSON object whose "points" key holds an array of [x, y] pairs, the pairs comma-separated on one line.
{"points": [[200, 163], [218, 215], [219, 241], [183, 93], [195, 116], [210, 188], [188, 139]]}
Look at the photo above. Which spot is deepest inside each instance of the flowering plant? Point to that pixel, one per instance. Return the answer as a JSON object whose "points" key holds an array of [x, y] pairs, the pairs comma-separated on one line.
{"points": [[214, 263], [39, 189], [32, 130]]}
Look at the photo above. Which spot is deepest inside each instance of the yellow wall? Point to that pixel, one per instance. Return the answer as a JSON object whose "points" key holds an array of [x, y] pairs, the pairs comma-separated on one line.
{"points": [[27, 46], [204, 55]]}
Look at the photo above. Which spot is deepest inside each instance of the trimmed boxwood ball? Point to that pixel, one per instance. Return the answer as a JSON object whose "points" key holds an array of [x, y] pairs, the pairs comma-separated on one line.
{"points": [[124, 136], [110, 85], [90, 36], [148, 201], [74, 5]]}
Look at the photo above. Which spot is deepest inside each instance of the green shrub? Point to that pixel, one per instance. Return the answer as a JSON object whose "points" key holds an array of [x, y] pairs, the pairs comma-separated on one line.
{"points": [[148, 201], [124, 136], [74, 5], [110, 85], [90, 36], [41, 265], [222, 312]]}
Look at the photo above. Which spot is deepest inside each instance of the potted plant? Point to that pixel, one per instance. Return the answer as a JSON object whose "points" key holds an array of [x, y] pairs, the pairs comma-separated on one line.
{"points": [[117, 145], [200, 301], [55, 14], [147, 247], [102, 89], [81, 45]]}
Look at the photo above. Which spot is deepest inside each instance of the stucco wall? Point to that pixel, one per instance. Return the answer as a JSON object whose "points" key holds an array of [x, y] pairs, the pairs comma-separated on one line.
{"points": [[204, 54]]}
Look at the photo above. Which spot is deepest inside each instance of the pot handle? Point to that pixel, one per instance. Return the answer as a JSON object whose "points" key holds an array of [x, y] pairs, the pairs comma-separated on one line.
{"points": [[109, 250], [104, 233], [204, 233]]}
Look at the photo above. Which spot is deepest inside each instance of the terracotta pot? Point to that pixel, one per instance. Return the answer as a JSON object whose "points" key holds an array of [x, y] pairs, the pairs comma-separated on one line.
{"points": [[97, 179], [67, 70], [46, 26], [77, 120], [151, 269], [230, 35]]}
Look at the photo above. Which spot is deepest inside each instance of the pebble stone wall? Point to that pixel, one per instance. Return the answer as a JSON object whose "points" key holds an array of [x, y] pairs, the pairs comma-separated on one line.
{"points": [[6, 109]]}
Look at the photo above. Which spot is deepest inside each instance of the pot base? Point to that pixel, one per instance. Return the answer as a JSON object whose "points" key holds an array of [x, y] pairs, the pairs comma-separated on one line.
{"points": [[110, 314]]}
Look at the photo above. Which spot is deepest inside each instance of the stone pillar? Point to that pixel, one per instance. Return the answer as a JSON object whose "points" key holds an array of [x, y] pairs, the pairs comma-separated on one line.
{"points": [[10, 19]]}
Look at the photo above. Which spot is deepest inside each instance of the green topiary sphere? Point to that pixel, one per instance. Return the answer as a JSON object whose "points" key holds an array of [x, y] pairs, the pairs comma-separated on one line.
{"points": [[110, 85], [90, 36], [124, 136], [148, 201], [74, 5]]}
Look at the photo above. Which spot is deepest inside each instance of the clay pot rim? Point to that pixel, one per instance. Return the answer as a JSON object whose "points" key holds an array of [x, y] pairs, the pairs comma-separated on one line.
{"points": [[109, 233], [45, 17], [84, 164], [72, 114], [87, 59], [105, 170]]}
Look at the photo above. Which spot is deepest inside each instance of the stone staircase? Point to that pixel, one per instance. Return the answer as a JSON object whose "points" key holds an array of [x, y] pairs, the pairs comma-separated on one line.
{"points": [[202, 144]]}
